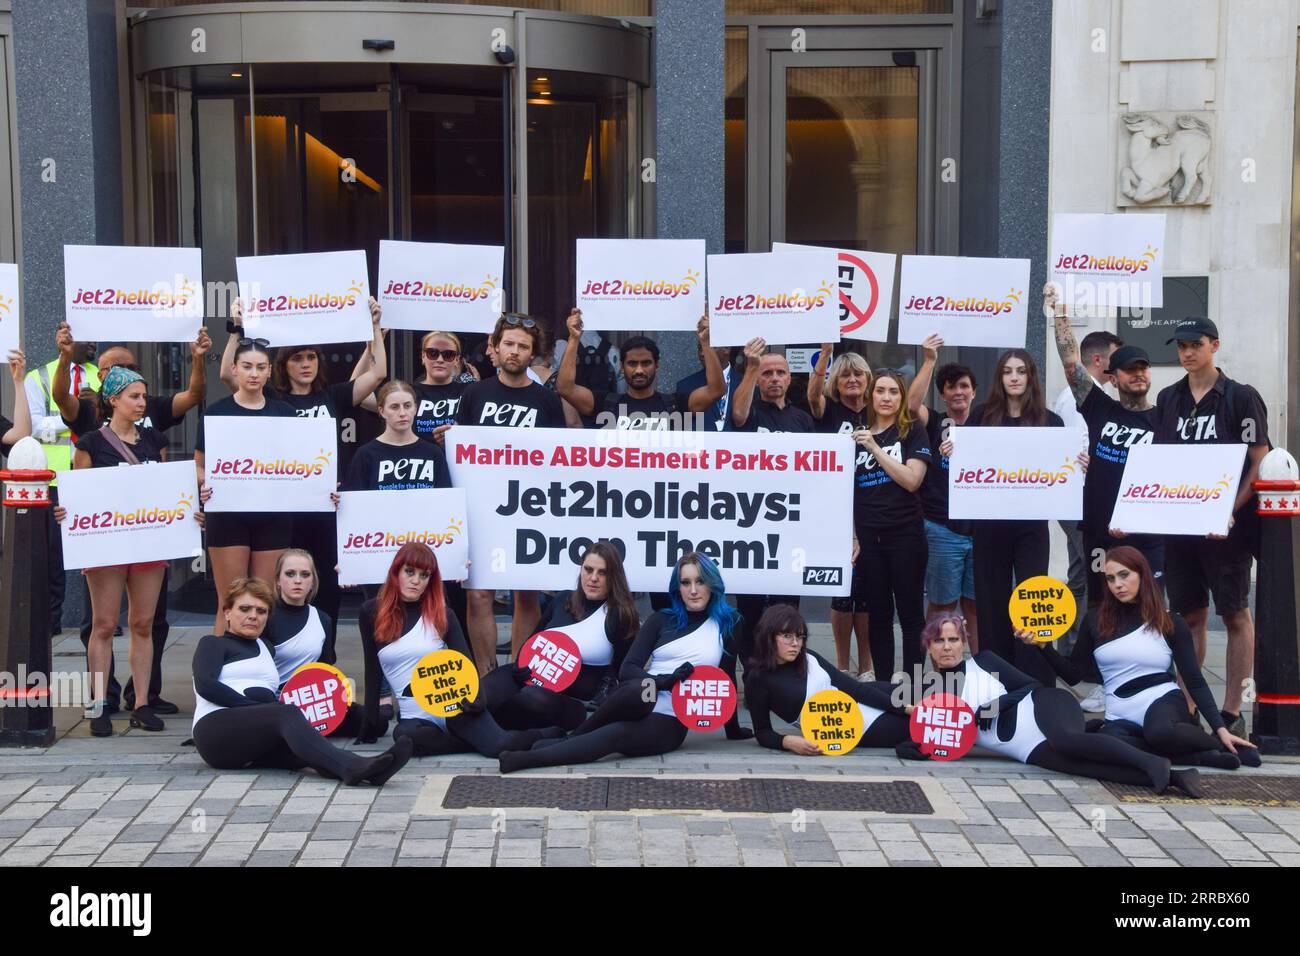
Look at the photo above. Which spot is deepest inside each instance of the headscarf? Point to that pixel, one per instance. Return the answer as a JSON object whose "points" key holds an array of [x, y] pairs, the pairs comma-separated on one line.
{"points": [[117, 379]]}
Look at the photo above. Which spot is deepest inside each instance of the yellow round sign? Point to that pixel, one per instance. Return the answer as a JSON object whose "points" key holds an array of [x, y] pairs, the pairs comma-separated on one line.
{"points": [[832, 720], [441, 680], [1043, 606]]}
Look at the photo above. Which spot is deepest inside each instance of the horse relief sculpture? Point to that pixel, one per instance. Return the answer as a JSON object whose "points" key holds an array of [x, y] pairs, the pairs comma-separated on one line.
{"points": [[1165, 161]]}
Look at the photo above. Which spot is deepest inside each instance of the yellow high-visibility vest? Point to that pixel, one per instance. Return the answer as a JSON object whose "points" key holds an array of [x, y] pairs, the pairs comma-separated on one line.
{"points": [[58, 456]]}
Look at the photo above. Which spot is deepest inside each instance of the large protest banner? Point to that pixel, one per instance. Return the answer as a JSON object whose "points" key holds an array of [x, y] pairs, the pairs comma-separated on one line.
{"points": [[270, 464], [772, 509], [1178, 489], [129, 514], [866, 290], [1015, 473], [639, 284], [306, 298], [1109, 260], [133, 293], [969, 301], [373, 525], [779, 296], [440, 285]]}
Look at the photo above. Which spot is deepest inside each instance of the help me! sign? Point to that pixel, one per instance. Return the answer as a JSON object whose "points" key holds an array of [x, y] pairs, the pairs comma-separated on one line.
{"points": [[322, 693]]}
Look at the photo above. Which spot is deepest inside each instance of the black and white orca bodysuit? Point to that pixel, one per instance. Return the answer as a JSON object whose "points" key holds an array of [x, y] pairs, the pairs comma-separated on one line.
{"points": [[1144, 705], [784, 691], [473, 731], [602, 646], [240, 722], [300, 634], [631, 721], [1043, 726]]}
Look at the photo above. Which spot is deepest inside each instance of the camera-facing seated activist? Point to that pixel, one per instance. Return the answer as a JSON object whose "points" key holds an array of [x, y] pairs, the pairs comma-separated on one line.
{"points": [[784, 673], [637, 718], [407, 620], [239, 720], [1021, 719], [1130, 643]]}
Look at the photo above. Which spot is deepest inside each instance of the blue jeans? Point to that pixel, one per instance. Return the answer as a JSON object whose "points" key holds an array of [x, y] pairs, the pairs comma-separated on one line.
{"points": [[950, 572]]}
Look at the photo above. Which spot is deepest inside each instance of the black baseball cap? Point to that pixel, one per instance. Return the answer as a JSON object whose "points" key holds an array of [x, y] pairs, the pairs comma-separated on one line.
{"points": [[1192, 328], [1126, 356]]}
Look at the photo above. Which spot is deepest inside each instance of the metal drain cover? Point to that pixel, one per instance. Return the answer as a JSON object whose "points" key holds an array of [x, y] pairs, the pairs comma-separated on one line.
{"points": [[749, 795], [1228, 788]]}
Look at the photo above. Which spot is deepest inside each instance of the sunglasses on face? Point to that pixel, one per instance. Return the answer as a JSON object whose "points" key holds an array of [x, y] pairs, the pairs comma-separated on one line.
{"points": [[447, 355], [517, 319]]}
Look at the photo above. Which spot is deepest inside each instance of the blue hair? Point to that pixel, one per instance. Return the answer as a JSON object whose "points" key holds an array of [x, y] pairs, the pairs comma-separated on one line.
{"points": [[719, 611]]}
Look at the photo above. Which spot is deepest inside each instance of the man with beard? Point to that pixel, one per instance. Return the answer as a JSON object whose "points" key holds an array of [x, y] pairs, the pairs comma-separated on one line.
{"points": [[642, 408]]}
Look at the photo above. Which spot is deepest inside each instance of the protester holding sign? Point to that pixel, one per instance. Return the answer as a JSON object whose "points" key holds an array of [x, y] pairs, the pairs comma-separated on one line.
{"points": [[245, 543], [446, 377], [1005, 551], [838, 403], [1132, 643], [637, 718], [1020, 718], [407, 621], [783, 674], [239, 720], [21, 426], [121, 441], [950, 568], [510, 400], [641, 406], [1207, 407]]}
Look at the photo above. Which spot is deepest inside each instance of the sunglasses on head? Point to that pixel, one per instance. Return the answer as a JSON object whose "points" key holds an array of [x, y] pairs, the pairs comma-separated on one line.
{"points": [[447, 355], [248, 344], [518, 318]]}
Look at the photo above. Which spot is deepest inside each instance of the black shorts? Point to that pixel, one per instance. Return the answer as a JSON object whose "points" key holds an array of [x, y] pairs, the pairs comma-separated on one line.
{"points": [[1197, 567], [255, 530]]}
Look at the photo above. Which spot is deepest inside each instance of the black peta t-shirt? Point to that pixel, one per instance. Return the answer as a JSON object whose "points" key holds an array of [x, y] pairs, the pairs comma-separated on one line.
{"points": [[379, 466], [1214, 420], [934, 490], [1112, 431], [228, 407], [436, 405], [659, 412], [879, 502], [333, 401], [766, 417], [157, 414], [494, 404], [148, 446], [1053, 420]]}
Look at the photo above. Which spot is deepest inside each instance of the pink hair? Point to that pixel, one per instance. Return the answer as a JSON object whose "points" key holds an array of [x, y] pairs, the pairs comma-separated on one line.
{"points": [[934, 626]]}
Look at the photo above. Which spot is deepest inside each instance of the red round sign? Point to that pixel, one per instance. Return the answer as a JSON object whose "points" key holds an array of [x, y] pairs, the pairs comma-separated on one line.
{"points": [[321, 692], [859, 316], [705, 700], [553, 658], [944, 726]]}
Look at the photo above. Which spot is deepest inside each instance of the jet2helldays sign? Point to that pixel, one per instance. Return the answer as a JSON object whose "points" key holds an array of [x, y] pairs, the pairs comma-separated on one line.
{"points": [[636, 285], [1108, 261], [133, 293], [782, 297], [440, 285], [968, 301], [311, 298]]}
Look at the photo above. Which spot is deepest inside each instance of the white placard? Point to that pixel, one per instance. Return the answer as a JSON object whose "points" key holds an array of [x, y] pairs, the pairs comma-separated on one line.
{"points": [[783, 297], [270, 464], [10, 309], [771, 508], [1178, 489], [133, 293], [440, 285], [1015, 473], [1108, 261], [373, 525], [129, 514], [635, 285], [866, 290], [313, 298], [966, 300]]}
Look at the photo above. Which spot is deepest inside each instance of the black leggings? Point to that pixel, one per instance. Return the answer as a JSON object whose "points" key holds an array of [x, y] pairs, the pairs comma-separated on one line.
{"points": [[888, 730], [1167, 730], [272, 735], [528, 707], [891, 564], [316, 533], [624, 724], [466, 733], [1070, 749], [1006, 553]]}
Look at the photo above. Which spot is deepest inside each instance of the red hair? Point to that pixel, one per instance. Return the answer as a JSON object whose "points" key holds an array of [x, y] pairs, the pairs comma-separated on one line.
{"points": [[390, 616], [1150, 604]]}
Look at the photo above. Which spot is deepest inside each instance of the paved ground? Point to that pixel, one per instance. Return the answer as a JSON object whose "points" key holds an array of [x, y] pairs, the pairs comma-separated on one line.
{"points": [[142, 799]]}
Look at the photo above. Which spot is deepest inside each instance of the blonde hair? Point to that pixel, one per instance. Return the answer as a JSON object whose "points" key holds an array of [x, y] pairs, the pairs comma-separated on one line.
{"points": [[848, 360], [430, 336], [394, 385], [297, 553]]}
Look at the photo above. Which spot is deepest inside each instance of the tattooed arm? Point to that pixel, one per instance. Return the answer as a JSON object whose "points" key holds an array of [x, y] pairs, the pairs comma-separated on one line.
{"points": [[1067, 346]]}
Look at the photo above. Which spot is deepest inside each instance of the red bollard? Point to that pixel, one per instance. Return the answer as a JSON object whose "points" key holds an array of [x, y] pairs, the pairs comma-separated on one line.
{"points": [[1276, 728], [26, 714]]}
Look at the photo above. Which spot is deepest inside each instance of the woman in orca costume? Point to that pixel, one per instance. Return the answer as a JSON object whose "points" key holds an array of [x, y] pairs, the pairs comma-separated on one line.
{"points": [[1021, 719], [1128, 643], [637, 718], [238, 718], [783, 674], [408, 619]]}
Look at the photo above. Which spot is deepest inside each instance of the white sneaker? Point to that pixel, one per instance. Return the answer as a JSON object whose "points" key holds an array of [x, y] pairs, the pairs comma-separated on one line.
{"points": [[867, 676], [1094, 702]]}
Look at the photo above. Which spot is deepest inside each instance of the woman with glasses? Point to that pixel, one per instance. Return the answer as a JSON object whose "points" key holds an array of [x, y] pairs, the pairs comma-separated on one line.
{"points": [[783, 674], [245, 544], [637, 718]]}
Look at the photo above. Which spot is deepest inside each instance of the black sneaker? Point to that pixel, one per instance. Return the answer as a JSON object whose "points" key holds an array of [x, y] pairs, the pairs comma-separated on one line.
{"points": [[101, 726], [504, 648], [143, 718], [1236, 723], [163, 707]]}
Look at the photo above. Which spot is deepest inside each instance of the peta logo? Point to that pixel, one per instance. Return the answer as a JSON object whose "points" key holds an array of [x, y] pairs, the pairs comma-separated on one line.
{"points": [[830, 577], [406, 469], [505, 413], [77, 909]]}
